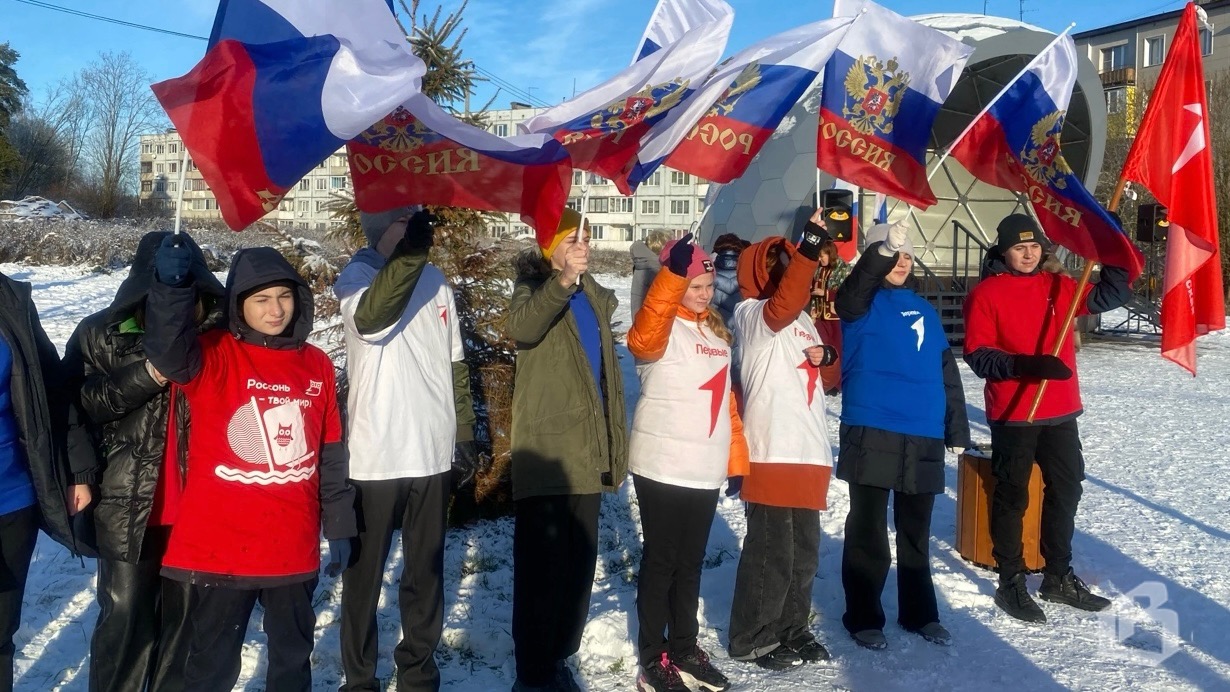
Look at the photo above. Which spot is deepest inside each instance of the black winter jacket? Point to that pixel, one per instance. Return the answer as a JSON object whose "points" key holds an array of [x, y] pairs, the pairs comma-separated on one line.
{"points": [[726, 293], [881, 458], [126, 410], [48, 431]]}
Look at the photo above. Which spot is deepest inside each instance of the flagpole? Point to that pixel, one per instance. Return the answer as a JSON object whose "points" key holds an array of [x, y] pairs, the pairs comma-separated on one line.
{"points": [[970, 126], [1076, 298], [179, 193], [581, 224]]}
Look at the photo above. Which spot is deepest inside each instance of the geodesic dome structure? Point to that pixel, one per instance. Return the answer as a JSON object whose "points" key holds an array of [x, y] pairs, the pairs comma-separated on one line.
{"points": [[777, 193]]}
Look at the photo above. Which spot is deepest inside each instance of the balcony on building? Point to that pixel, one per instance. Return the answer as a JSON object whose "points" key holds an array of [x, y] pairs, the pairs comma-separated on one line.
{"points": [[1119, 77]]}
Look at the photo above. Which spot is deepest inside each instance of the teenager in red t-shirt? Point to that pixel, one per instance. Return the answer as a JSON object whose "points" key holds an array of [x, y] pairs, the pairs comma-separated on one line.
{"points": [[266, 464]]}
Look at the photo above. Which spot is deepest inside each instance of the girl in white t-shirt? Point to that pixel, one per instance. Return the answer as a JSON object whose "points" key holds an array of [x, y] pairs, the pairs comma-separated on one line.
{"points": [[686, 439]]}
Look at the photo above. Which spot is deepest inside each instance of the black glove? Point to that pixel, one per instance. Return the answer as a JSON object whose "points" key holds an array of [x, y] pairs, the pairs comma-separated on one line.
{"points": [[813, 239], [465, 463], [830, 355], [734, 484], [173, 261], [1042, 367], [420, 232], [680, 257]]}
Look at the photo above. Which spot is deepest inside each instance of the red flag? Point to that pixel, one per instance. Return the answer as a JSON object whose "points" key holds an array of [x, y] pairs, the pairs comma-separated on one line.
{"points": [[419, 154], [1171, 157]]}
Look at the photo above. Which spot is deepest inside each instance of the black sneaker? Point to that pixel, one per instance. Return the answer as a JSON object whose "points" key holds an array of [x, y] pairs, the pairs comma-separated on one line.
{"points": [[660, 676], [698, 673], [1013, 598], [781, 658], [1069, 589], [870, 639], [810, 651], [933, 632]]}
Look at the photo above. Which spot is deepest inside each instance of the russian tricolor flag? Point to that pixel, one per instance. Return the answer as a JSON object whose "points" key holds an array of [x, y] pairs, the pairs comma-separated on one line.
{"points": [[419, 154], [603, 127], [1015, 144], [284, 84], [742, 104], [883, 89]]}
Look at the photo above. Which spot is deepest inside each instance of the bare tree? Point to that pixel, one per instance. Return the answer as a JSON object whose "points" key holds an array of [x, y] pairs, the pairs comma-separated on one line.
{"points": [[1219, 133], [121, 108]]}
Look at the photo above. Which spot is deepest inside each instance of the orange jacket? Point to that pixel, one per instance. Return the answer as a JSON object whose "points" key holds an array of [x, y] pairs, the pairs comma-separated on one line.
{"points": [[650, 333]]}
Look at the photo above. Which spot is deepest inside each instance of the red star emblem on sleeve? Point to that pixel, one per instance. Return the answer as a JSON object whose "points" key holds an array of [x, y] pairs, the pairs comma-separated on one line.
{"points": [[813, 375]]}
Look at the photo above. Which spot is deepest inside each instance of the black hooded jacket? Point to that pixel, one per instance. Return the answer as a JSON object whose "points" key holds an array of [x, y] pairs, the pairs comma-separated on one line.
{"points": [[52, 441], [172, 346], [125, 409]]}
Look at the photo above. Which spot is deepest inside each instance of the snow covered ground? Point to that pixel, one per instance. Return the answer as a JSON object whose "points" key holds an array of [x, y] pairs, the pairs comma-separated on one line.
{"points": [[1154, 522]]}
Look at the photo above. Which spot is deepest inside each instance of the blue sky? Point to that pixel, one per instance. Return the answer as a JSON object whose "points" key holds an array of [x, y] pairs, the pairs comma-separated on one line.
{"points": [[540, 46]]}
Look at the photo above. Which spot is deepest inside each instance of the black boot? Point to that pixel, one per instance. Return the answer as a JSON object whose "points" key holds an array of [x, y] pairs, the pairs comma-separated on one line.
{"points": [[1013, 598], [698, 673], [1068, 589]]}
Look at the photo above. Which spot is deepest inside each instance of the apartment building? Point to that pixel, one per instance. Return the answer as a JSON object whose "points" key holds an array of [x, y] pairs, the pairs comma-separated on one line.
{"points": [[1129, 55], [670, 200]]}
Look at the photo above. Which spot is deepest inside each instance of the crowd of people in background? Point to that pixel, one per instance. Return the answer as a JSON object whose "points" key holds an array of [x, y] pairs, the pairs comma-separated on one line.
{"points": [[191, 440]]}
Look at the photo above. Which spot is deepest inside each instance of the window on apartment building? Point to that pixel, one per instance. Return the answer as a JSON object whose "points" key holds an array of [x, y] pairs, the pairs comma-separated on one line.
{"points": [[574, 203], [173, 186], [576, 177], [147, 186], [305, 185], [501, 130], [322, 183], [680, 178], [160, 186], [320, 226], [599, 205], [700, 205], [1116, 101], [159, 148], [337, 182], [303, 225], [147, 167], [651, 206], [286, 205], [596, 232], [339, 160], [521, 229], [621, 205], [1114, 57], [173, 167], [147, 148], [197, 185], [1155, 50], [654, 180], [320, 165], [159, 168], [320, 205], [595, 179], [173, 148], [305, 206], [1206, 41], [191, 165], [680, 206]]}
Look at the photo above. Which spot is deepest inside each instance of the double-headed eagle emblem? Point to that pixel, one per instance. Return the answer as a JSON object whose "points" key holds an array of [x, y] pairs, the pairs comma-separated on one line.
{"points": [[874, 91], [747, 80], [620, 115], [1041, 156], [399, 132]]}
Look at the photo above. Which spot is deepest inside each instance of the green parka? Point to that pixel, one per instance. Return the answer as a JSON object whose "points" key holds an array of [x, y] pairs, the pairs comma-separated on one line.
{"points": [[564, 440]]}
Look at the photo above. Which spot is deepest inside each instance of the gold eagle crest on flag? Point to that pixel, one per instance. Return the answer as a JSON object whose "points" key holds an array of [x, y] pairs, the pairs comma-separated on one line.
{"points": [[1041, 156], [874, 91], [620, 115], [747, 80], [400, 132]]}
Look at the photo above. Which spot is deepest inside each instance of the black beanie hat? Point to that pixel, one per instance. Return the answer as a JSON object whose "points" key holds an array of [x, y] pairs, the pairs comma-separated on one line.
{"points": [[1019, 228]]}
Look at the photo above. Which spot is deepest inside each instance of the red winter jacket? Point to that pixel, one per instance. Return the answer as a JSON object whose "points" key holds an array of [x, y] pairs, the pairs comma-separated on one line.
{"points": [[1009, 314]]}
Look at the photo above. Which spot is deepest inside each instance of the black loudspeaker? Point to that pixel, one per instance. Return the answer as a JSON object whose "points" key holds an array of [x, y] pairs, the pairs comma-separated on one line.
{"points": [[1152, 223], [838, 206]]}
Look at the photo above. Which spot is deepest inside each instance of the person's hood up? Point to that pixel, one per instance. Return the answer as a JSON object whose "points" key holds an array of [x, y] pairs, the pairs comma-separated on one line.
{"points": [[754, 280], [726, 260], [135, 287], [256, 267]]}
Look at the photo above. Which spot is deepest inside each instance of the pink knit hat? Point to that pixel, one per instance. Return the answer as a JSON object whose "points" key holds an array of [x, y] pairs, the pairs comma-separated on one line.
{"points": [[702, 263]]}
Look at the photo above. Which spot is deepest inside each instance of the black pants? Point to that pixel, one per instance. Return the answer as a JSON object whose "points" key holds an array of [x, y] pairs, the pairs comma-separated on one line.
{"points": [[777, 567], [219, 626], [141, 635], [865, 559], [675, 522], [1057, 449], [417, 507], [18, 533], [555, 552]]}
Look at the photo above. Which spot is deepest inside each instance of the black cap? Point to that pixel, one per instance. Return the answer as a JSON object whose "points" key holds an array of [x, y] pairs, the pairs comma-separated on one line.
{"points": [[1019, 228]]}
